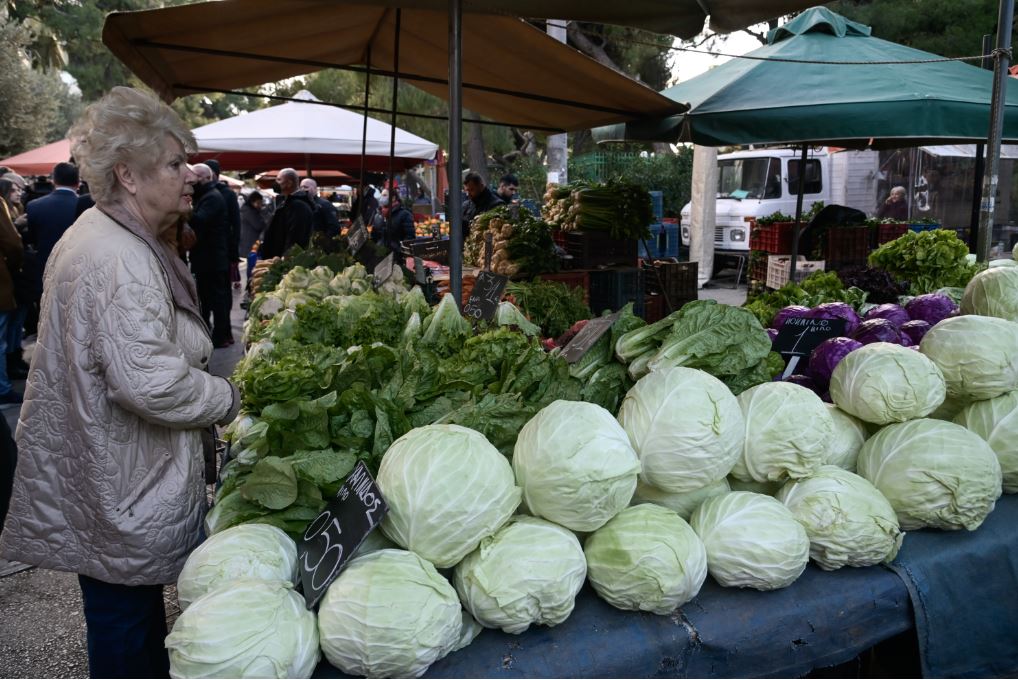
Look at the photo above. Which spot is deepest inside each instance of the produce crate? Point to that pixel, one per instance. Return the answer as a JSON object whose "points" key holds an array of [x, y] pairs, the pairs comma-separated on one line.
{"points": [[593, 249], [653, 307], [612, 289], [653, 242], [889, 232], [920, 227], [758, 270], [468, 286], [668, 242], [657, 204], [573, 279], [848, 246], [434, 250], [676, 282], [779, 268], [772, 238]]}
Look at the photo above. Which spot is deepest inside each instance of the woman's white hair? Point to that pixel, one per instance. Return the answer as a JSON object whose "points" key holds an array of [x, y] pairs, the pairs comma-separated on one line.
{"points": [[898, 190], [125, 126]]}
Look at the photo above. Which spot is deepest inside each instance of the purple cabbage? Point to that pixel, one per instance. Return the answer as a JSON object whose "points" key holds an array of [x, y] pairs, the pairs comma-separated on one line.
{"points": [[877, 330], [931, 308], [785, 312], [893, 313], [914, 331], [828, 354], [804, 381], [837, 310]]}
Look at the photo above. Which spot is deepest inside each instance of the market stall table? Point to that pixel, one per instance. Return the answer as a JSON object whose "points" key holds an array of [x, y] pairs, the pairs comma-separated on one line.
{"points": [[823, 619]]}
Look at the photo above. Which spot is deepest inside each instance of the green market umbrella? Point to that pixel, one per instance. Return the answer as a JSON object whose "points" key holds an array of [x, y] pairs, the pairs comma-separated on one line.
{"points": [[879, 102]]}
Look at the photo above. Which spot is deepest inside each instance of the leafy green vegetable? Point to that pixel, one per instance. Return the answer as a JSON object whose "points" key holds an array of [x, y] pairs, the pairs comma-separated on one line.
{"points": [[551, 305], [928, 259], [272, 484], [817, 288], [308, 259], [287, 371]]}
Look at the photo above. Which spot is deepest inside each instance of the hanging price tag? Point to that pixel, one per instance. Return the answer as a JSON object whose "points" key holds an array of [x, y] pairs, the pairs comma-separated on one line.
{"points": [[581, 343], [334, 536], [357, 236], [383, 270], [798, 337], [484, 298]]}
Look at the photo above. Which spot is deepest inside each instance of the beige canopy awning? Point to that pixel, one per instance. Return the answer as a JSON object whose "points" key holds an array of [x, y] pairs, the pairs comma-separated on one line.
{"points": [[512, 72]]}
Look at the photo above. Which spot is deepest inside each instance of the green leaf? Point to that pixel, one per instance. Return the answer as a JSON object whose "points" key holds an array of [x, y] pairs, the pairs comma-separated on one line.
{"points": [[323, 466], [272, 483]]}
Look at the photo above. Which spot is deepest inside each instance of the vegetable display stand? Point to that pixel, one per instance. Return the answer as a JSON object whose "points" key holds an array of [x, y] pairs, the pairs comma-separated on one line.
{"points": [[592, 249], [676, 282], [576, 278], [433, 250], [890, 232], [847, 246], [772, 238], [613, 289], [779, 268]]}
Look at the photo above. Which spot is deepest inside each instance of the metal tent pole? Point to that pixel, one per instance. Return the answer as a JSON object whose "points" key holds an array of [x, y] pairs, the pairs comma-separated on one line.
{"points": [[1002, 58], [455, 166], [980, 169], [798, 213], [364, 131], [395, 101]]}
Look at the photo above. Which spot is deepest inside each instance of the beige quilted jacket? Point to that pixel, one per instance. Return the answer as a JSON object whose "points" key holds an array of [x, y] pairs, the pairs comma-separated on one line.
{"points": [[109, 478]]}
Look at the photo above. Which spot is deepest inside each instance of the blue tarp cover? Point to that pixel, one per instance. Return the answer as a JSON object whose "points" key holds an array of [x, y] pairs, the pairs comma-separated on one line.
{"points": [[964, 586]]}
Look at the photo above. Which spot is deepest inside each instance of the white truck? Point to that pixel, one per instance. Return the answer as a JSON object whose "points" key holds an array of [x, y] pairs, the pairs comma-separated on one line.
{"points": [[757, 183]]}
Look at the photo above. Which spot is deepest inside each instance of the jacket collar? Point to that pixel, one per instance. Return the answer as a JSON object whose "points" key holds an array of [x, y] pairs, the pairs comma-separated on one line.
{"points": [[182, 287]]}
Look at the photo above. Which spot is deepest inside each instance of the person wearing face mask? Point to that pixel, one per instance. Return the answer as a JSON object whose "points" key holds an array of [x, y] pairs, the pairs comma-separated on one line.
{"points": [[110, 479], [293, 220]]}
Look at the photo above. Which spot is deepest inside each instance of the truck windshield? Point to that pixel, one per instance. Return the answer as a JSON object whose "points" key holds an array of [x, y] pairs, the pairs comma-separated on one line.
{"points": [[757, 177]]}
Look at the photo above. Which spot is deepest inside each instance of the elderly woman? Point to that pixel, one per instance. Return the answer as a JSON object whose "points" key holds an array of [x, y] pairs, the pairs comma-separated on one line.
{"points": [[110, 482], [895, 207]]}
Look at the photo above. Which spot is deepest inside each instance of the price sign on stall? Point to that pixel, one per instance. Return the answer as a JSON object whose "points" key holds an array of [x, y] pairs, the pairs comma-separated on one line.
{"points": [[581, 343], [484, 298], [331, 540], [383, 270], [357, 236], [798, 337]]}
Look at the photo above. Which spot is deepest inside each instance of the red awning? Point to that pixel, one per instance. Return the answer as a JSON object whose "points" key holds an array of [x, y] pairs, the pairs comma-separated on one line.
{"points": [[39, 161]]}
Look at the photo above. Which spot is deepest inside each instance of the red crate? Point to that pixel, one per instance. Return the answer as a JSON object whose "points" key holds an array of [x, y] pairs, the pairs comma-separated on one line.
{"points": [[847, 246], [576, 278], [593, 249], [772, 238], [890, 232]]}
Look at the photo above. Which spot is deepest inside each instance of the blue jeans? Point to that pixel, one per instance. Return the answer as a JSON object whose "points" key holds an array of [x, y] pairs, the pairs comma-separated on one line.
{"points": [[126, 630], [5, 323], [16, 329]]}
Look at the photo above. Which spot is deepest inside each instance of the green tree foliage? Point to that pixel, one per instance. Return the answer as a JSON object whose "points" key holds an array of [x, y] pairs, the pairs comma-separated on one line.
{"points": [[669, 173], [951, 28]]}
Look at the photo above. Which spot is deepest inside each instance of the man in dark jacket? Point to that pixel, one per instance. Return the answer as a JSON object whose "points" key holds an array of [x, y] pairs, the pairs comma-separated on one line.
{"points": [[232, 205], [293, 220], [326, 216], [50, 216], [481, 200], [396, 225], [210, 256]]}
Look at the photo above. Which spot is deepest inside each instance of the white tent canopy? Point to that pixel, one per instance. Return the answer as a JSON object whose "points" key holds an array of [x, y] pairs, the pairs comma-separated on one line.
{"points": [[306, 134], [1007, 151]]}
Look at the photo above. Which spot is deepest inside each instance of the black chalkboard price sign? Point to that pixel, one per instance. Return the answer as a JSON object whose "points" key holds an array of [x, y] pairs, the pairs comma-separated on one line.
{"points": [[588, 336], [357, 236], [383, 270], [332, 538], [484, 298], [798, 337]]}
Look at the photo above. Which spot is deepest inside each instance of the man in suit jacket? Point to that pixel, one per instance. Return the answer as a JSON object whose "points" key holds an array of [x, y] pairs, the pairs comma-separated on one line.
{"points": [[50, 216]]}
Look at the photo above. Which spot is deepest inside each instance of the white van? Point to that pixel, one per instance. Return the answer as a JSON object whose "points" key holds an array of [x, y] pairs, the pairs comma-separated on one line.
{"points": [[753, 184]]}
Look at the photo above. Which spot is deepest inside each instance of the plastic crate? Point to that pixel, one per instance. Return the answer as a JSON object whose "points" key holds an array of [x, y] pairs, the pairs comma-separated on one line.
{"points": [[572, 279], [779, 268], [668, 242], [652, 242], [848, 246], [758, 271], [468, 287], [772, 238], [613, 289], [593, 249], [653, 307], [889, 232], [920, 227], [657, 203], [676, 282]]}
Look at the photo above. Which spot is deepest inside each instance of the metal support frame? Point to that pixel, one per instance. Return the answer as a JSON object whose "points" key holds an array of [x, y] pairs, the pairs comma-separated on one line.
{"points": [[798, 213], [1001, 58], [455, 166], [364, 129], [395, 105], [980, 169]]}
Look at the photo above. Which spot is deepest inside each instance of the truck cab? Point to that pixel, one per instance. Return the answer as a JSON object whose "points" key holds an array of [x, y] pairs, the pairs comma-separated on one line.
{"points": [[754, 184]]}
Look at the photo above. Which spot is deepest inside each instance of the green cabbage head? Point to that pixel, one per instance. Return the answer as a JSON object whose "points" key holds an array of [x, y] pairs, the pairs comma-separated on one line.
{"points": [[752, 541], [788, 432], [686, 427], [934, 473], [996, 421], [247, 628], [847, 520], [247, 550], [529, 572], [447, 488], [575, 465], [993, 292], [885, 383], [646, 559], [391, 615], [850, 434], [978, 355], [683, 504]]}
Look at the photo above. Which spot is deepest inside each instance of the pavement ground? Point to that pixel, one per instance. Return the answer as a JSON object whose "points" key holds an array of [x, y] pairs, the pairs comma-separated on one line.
{"points": [[42, 627]]}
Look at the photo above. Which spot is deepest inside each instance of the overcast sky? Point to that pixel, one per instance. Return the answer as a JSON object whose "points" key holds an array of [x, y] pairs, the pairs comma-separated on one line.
{"points": [[686, 65]]}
